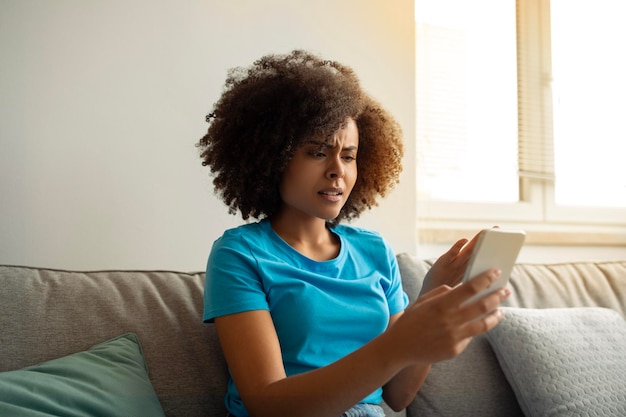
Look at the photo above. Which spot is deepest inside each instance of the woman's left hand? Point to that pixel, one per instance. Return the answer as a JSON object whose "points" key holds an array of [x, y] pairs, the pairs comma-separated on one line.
{"points": [[450, 267]]}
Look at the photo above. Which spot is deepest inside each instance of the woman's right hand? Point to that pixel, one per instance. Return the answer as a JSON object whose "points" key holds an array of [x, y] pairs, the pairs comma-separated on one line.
{"points": [[438, 326]]}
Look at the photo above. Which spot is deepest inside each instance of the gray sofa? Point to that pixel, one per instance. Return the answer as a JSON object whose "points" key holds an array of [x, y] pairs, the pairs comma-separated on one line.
{"points": [[53, 320]]}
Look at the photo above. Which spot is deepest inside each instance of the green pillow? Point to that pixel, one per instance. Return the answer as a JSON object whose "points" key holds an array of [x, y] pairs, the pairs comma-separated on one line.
{"points": [[108, 379]]}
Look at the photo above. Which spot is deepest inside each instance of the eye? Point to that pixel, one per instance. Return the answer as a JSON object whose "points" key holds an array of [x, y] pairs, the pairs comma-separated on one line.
{"points": [[316, 153], [349, 158]]}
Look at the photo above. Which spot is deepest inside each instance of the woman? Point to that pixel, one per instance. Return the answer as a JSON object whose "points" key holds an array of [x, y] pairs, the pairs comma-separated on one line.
{"points": [[310, 312]]}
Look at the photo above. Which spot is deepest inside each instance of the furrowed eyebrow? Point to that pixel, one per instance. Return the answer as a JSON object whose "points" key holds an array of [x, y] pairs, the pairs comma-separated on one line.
{"points": [[316, 143], [322, 144]]}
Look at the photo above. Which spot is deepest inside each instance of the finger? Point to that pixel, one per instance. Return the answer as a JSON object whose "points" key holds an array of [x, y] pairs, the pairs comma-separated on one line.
{"points": [[472, 243], [485, 305], [457, 247], [454, 250], [484, 324], [464, 256], [470, 288]]}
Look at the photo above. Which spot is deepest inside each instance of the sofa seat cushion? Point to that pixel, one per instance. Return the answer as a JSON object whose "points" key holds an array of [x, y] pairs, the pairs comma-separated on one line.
{"points": [[564, 361], [109, 379]]}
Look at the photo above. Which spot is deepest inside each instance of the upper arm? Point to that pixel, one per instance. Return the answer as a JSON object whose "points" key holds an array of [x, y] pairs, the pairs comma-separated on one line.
{"points": [[393, 318], [251, 349]]}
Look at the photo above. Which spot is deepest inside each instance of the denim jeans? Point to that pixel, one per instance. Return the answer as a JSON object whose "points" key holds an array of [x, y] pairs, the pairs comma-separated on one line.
{"points": [[364, 410], [359, 410]]}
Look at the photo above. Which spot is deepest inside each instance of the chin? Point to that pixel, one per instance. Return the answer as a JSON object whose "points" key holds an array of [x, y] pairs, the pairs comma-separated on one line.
{"points": [[331, 219], [329, 215], [326, 217]]}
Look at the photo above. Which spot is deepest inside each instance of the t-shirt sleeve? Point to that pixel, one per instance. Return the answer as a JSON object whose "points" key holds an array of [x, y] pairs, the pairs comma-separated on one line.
{"points": [[232, 284], [397, 299]]}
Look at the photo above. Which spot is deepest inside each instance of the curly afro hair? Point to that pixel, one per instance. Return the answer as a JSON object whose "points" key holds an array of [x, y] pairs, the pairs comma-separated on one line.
{"points": [[266, 112]]}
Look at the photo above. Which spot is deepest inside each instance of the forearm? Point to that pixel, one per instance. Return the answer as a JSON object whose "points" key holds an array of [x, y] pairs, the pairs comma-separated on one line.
{"points": [[403, 387], [331, 390]]}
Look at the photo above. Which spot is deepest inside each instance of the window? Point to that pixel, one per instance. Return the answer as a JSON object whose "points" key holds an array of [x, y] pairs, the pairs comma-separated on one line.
{"points": [[589, 84], [519, 119]]}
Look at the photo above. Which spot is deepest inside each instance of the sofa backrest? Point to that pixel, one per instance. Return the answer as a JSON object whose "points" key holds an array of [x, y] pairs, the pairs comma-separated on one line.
{"points": [[46, 314], [576, 284]]}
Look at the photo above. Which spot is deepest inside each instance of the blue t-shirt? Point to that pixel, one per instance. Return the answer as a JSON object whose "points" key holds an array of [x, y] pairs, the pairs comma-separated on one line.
{"points": [[322, 311]]}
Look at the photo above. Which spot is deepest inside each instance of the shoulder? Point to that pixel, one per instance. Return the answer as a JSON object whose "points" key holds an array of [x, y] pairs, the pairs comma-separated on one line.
{"points": [[359, 234], [367, 242], [235, 245], [245, 230], [250, 232]]}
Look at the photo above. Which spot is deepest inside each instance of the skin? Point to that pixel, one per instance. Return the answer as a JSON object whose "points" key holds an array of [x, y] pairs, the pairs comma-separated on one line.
{"points": [[316, 184]]}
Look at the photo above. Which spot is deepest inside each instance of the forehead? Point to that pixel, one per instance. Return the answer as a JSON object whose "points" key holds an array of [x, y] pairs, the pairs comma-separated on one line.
{"points": [[347, 136]]}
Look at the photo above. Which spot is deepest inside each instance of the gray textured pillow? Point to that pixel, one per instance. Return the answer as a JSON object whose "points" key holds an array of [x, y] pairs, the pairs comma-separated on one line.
{"points": [[565, 361]]}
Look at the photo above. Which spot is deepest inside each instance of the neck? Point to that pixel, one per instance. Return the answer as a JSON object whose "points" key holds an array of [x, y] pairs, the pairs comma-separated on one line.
{"points": [[312, 238]]}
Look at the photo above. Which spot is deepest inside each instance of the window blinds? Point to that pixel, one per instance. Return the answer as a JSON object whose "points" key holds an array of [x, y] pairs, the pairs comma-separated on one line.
{"points": [[535, 146]]}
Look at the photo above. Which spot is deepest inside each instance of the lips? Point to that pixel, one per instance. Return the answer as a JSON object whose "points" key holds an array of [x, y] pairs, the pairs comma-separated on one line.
{"points": [[332, 194], [331, 191]]}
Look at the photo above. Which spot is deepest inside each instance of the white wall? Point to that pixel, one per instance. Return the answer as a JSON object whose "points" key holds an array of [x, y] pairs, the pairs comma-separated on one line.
{"points": [[102, 101]]}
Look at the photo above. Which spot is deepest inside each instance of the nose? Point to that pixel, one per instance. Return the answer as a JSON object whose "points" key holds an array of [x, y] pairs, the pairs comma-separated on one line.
{"points": [[335, 168]]}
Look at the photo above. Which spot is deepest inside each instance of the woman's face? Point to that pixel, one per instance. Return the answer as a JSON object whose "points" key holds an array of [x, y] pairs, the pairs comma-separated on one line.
{"points": [[320, 176]]}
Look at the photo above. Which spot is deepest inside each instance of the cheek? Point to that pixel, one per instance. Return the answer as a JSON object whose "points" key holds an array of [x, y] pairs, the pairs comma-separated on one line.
{"points": [[352, 175], [285, 190], [291, 186]]}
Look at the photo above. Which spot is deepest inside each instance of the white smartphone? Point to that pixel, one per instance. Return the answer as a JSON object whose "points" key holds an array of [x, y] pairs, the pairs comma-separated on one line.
{"points": [[495, 249]]}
